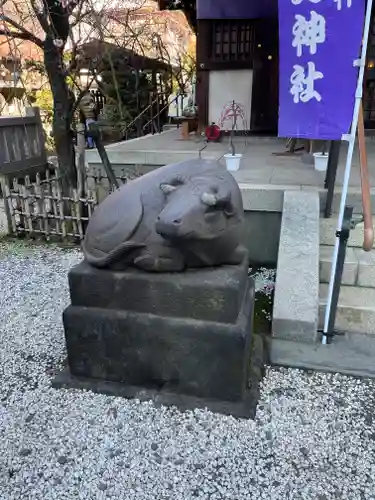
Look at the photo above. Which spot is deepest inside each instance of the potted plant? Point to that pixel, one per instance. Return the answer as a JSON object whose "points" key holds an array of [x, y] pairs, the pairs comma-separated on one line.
{"points": [[232, 159], [321, 159]]}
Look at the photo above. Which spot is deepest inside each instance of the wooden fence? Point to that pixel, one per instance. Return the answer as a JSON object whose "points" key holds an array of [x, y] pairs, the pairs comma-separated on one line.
{"points": [[22, 144], [40, 209], [34, 203]]}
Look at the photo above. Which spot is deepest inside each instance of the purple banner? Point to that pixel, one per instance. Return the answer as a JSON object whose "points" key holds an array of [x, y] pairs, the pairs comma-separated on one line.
{"points": [[236, 9], [319, 41]]}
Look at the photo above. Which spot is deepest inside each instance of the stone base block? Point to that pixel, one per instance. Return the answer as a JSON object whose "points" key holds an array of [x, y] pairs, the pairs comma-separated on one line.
{"points": [[202, 294], [182, 351], [245, 408]]}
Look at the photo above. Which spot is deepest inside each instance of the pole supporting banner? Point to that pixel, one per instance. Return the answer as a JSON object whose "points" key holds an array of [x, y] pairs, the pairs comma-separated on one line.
{"points": [[348, 166]]}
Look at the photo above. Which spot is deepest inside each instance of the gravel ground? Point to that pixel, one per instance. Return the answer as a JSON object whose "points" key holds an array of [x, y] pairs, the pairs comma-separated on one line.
{"points": [[313, 436]]}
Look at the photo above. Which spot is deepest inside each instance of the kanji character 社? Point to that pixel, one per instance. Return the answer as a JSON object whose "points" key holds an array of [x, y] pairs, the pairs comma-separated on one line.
{"points": [[309, 33], [303, 85]]}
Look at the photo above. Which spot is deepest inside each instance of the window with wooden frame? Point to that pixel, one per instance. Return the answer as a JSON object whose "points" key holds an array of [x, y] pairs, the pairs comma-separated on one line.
{"points": [[232, 41]]}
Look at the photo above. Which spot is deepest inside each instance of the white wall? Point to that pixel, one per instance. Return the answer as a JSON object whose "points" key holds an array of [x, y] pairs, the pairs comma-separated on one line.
{"points": [[226, 87]]}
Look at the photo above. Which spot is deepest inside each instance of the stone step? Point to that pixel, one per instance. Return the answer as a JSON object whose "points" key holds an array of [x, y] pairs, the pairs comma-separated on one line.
{"points": [[169, 126], [356, 309], [350, 273], [328, 233], [359, 266], [366, 268]]}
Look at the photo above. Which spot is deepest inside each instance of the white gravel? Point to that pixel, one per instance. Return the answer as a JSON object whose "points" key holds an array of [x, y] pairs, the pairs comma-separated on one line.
{"points": [[313, 437], [264, 280]]}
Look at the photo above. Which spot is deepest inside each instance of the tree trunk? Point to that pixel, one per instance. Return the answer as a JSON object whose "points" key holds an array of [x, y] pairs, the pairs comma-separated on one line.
{"points": [[63, 114]]}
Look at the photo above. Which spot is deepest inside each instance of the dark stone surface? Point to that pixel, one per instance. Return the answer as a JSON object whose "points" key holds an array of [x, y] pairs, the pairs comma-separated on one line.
{"points": [[181, 339], [204, 359], [245, 408], [186, 215], [206, 294]]}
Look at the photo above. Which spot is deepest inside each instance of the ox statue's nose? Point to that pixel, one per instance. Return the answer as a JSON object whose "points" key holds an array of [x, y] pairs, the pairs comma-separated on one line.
{"points": [[175, 222], [168, 229]]}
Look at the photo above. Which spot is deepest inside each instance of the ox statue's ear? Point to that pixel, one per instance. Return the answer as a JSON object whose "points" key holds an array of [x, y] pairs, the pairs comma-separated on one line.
{"points": [[167, 188], [209, 199], [171, 185], [220, 198]]}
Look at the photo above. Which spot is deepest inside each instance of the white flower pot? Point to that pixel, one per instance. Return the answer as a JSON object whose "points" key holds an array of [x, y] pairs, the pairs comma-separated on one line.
{"points": [[232, 162], [320, 162]]}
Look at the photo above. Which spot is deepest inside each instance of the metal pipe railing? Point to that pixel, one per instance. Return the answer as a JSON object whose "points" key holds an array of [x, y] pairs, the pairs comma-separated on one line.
{"points": [[163, 109], [150, 107], [368, 236], [129, 125]]}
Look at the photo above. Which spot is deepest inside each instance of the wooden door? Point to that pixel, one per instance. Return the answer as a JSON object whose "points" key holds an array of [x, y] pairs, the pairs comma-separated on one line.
{"points": [[264, 116]]}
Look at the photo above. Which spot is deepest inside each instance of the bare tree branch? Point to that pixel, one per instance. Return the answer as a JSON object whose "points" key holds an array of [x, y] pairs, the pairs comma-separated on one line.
{"points": [[22, 33], [14, 34], [41, 16]]}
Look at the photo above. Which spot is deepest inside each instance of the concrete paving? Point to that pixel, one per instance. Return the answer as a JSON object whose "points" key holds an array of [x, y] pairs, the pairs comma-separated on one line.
{"points": [[258, 166], [348, 354], [264, 174]]}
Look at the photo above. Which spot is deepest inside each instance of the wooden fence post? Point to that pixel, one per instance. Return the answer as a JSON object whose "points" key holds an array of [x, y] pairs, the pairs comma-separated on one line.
{"points": [[4, 184]]}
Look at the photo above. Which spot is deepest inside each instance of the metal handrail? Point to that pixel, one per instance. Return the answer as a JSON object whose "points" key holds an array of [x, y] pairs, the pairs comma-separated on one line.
{"points": [[161, 110], [141, 113], [129, 125], [368, 236], [150, 106]]}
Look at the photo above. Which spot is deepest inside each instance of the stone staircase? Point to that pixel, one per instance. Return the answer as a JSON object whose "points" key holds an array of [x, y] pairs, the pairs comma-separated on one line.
{"points": [[356, 309], [305, 253]]}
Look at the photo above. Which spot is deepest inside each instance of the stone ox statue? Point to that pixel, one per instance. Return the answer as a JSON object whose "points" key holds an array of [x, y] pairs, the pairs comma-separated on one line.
{"points": [[180, 216]]}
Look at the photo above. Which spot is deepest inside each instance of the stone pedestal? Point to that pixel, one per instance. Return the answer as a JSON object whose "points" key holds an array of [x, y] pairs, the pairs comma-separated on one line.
{"points": [[182, 339]]}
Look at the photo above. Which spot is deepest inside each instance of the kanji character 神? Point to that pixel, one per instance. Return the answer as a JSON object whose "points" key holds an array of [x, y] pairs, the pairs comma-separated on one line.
{"points": [[298, 2], [339, 4], [303, 85], [309, 33]]}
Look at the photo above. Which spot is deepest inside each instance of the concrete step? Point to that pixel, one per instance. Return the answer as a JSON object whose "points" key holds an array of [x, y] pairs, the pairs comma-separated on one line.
{"points": [[328, 233], [354, 199], [169, 126], [356, 309], [350, 273], [359, 266], [366, 268]]}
